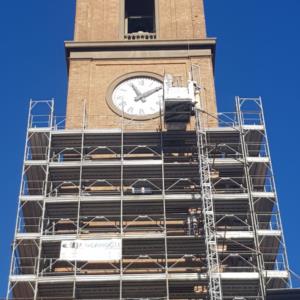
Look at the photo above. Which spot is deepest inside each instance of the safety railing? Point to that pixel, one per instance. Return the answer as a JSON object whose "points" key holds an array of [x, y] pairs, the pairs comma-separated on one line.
{"points": [[140, 151], [262, 184], [33, 187], [234, 150], [227, 185], [184, 224], [105, 153], [225, 119], [154, 262], [174, 224], [36, 153], [29, 224], [275, 262], [257, 149], [96, 187], [100, 122], [40, 121], [230, 119], [144, 186], [242, 222], [252, 118], [24, 265], [268, 221], [71, 122], [131, 264], [137, 36], [233, 222]]}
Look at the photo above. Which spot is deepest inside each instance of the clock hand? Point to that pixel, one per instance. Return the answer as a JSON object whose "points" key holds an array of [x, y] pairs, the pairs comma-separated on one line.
{"points": [[137, 92], [147, 94]]}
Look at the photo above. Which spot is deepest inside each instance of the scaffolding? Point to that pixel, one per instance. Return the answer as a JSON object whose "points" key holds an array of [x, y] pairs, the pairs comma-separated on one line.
{"points": [[196, 210]]}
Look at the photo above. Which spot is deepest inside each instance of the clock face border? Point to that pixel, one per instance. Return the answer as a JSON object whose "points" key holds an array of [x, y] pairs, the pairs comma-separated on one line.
{"points": [[121, 79]]}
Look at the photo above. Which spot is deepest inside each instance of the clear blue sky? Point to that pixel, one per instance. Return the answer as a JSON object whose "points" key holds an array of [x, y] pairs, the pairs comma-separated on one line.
{"points": [[257, 54]]}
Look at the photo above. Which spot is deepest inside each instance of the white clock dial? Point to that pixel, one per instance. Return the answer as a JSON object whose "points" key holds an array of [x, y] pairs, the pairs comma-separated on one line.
{"points": [[138, 97]]}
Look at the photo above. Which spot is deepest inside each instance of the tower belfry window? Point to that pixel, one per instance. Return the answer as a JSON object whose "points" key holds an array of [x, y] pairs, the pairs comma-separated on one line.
{"points": [[140, 19]]}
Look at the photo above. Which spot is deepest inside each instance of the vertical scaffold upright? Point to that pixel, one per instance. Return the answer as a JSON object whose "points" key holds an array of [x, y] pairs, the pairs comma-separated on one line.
{"points": [[215, 288]]}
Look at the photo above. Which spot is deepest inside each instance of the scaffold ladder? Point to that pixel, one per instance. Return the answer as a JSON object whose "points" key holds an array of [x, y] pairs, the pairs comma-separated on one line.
{"points": [[214, 278]]}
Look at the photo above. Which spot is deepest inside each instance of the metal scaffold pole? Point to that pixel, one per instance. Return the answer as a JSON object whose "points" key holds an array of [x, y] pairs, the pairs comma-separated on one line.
{"points": [[122, 202], [164, 204], [215, 287], [48, 155], [260, 262], [286, 261]]}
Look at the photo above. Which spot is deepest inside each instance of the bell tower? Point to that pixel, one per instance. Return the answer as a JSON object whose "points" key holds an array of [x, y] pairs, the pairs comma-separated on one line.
{"points": [[126, 41], [119, 20], [142, 191]]}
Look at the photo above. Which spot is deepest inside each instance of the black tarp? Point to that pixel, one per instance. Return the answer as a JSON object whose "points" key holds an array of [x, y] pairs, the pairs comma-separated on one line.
{"points": [[283, 294]]}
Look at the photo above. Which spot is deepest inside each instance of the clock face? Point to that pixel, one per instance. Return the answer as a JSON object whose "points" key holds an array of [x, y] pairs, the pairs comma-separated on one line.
{"points": [[138, 97]]}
